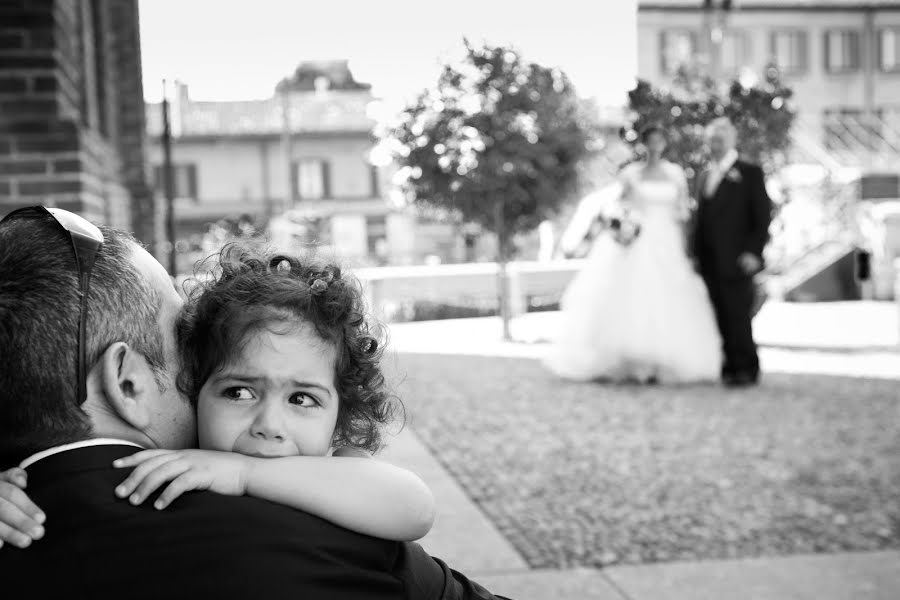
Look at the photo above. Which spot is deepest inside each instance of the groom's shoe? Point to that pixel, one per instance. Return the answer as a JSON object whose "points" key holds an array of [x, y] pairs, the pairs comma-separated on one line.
{"points": [[741, 380]]}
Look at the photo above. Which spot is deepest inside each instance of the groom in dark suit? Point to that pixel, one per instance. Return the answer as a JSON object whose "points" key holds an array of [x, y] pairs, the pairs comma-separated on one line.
{"points": [[66, 435], [731, 229]]}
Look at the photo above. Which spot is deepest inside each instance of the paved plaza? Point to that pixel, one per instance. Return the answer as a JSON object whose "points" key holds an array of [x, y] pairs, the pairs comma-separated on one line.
{"points": [[842, 342]]}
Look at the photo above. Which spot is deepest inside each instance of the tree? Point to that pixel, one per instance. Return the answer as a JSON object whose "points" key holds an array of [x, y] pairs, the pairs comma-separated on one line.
{"points": [[497, 142], [310, 74]]}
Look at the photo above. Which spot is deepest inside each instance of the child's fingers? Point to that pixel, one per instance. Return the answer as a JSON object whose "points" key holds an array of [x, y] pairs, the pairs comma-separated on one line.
{"points": [[14, 495], [139, 458], [183, 483], [159, 476], [15, 476], [141, 472], [14, 516], [12, 536]]}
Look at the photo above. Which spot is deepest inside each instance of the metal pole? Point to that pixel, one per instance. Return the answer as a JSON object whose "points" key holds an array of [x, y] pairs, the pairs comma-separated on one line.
{"points": [[169, 183], [706, 33], [287, 143], [264, 179], [502, 281], [869, 61]]}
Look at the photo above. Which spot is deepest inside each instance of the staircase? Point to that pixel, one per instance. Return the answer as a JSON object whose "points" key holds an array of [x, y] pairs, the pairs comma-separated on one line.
{"points": [[844, 146], [864, 141], [824, 273], [812, 254]]}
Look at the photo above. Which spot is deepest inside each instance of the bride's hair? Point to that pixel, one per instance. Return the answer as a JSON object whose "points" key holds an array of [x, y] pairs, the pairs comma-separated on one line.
{"points": [[650, 129]]}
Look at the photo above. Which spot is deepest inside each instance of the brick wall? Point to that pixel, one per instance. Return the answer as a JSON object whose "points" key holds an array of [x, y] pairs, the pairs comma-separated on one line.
{"points": [[69, 82]]}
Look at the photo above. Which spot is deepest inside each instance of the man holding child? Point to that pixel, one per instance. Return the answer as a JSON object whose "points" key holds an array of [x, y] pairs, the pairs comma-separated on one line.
{"points": [[88, 383]]}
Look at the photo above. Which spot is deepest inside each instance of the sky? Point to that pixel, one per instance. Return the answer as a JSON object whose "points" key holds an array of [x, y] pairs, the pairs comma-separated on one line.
{"points": [[226, 50]]}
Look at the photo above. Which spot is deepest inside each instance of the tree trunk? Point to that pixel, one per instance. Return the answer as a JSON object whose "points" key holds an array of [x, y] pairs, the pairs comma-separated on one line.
{"points": [[502, 279]]}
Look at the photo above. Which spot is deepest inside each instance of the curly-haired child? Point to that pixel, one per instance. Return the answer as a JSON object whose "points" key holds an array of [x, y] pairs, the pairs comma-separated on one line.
{"points": [[283, 367]]}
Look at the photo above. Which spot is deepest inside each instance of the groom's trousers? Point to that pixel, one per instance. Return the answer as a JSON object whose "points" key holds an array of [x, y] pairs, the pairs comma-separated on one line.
{"points": [[732, 300]]}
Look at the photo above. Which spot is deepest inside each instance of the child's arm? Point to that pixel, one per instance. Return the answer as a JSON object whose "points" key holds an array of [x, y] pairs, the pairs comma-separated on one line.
{"points": [[367, 496], [21, 521]]}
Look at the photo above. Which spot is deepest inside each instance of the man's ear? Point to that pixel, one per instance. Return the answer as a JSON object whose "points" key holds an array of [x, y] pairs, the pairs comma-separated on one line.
{"points": [[128, 384]]}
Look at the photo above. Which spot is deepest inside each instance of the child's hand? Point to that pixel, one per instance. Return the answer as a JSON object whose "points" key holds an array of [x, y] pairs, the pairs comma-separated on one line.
{"points": [[20, 519], [221, 472]]}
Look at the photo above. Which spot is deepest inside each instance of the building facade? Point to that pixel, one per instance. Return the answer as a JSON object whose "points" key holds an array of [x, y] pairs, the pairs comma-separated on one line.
{"points": [[841, 57], [72, 130], [299, 160]]}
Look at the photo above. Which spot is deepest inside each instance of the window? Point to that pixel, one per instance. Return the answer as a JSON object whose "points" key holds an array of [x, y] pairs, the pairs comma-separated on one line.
{"points": [[889, 49], [735, 51], [789, 49], [841, 51], [312, 179], [185, 180], [376, 235], [677, 48]]}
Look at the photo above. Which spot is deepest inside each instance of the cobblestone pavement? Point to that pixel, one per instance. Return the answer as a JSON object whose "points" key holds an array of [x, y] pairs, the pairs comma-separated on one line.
{"points": [[591, 475]]}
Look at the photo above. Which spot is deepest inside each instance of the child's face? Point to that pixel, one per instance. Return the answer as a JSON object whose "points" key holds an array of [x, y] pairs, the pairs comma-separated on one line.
{"points": [[276, 399]]}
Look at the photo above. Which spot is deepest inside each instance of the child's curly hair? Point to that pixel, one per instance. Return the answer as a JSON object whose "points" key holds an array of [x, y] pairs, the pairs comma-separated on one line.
{"points": [[251, 290]]}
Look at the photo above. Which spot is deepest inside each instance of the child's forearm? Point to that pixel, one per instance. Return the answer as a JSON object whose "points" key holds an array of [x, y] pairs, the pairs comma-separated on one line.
{"points": [[365, 495]]}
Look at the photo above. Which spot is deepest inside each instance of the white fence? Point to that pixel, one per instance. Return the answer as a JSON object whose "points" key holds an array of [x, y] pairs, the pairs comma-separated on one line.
{"points": [[469, 282]]}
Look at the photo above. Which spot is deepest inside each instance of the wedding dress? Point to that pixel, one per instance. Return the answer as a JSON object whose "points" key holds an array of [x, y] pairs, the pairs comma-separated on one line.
{"points": [[640, 312]]}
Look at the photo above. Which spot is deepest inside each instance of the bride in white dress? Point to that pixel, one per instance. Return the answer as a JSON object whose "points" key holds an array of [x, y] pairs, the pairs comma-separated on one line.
{"points": [[639, 312]]}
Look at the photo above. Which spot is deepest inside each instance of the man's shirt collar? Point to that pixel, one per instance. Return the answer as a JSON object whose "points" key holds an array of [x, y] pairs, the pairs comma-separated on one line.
{"points": [[728, 161], [74, 446]]}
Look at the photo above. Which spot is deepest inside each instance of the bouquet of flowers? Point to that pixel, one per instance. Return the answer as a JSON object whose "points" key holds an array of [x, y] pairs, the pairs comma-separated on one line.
{"points": [[622, 224]]}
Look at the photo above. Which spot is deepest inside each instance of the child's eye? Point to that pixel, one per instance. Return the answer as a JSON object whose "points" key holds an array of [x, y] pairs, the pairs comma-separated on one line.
{"points": [[303, 399], [238, 393]]}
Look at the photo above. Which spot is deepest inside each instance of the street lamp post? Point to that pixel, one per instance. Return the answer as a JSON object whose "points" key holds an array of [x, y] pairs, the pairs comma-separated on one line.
{"points": [[169, 179], [287, 143], [502, 275], [715, 14]]}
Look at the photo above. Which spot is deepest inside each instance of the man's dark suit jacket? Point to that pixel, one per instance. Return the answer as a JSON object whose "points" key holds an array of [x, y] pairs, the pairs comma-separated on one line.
{"points": [[205, 545], [735, 220]]}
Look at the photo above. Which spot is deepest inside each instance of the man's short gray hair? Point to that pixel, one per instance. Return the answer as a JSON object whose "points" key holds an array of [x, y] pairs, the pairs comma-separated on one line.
{"points": [[723, 124], [39, 310]]}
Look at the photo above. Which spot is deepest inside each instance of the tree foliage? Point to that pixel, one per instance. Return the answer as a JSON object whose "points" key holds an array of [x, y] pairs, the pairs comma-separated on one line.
{"points": [[762, 113], [308, 74], [498, 136]]}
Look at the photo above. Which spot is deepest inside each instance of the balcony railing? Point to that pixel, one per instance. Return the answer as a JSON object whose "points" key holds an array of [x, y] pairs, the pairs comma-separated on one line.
{"points": [[860, 140]]}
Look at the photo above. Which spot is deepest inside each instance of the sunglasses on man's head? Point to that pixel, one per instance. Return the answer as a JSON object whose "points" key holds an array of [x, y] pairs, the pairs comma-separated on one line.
{"points": [[86, 240]]}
